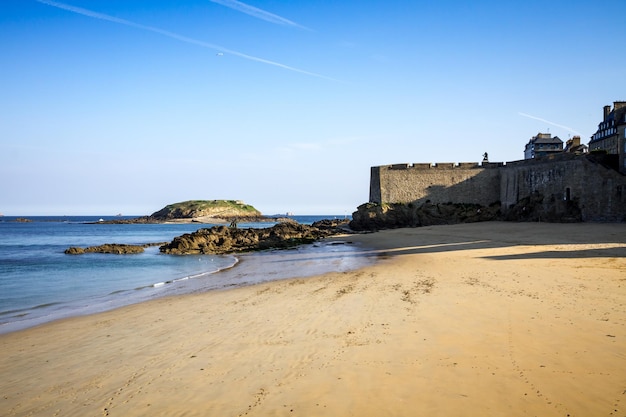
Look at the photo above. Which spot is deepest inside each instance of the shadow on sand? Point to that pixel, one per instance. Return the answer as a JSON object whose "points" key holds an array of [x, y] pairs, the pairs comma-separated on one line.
{"points": [[573, 241]]}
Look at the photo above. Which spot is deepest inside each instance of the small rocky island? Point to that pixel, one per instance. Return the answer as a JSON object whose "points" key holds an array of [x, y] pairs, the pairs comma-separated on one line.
{"points": [[221, 239], [200, 211]]}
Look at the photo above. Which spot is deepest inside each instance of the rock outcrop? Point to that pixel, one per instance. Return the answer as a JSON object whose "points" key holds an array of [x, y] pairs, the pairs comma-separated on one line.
{"points": [[222, 239], [539, 208], [372, 216], [115, 248]]}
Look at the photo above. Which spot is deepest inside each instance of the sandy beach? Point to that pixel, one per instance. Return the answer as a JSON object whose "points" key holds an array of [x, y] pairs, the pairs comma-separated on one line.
{"points": [[484, 319]]}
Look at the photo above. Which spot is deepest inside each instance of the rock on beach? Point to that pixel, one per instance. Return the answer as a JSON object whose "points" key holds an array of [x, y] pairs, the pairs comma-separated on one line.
{"points": [[222, 239], [114, 248]]}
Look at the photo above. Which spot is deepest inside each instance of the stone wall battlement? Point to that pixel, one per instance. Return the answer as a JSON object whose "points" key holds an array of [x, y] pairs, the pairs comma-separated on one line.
{"points": [[435, 165], [599, 191]]}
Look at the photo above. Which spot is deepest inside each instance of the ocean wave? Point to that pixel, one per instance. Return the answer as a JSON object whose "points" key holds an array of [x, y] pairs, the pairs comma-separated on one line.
{"points": [[195, 276], [22, 312]]}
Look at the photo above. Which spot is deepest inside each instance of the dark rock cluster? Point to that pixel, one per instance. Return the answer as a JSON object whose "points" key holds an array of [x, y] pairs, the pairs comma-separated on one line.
{"points": [[535, 208], [222, 239], [539, 208], [115, 248], [372, 216]]}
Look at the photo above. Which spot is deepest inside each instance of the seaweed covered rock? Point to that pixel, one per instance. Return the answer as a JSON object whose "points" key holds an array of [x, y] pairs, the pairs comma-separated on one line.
{"points": [[222, 239], [115, 248]]}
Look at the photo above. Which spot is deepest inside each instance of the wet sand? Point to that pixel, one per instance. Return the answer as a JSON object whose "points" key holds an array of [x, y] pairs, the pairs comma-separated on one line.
{"points": [[488, 319]]}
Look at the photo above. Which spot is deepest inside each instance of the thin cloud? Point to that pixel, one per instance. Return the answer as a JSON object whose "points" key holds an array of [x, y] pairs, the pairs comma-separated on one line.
{"points": [[101, 16], [549, 122], [258, 13], [289, 150], [305, 146]]}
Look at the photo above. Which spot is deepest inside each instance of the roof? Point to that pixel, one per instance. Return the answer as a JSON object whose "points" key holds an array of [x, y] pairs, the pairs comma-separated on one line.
{"points": [[545, 138]]}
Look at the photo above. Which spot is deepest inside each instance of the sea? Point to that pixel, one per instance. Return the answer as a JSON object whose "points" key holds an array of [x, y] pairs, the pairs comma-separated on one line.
{"points": [[39, 283]]}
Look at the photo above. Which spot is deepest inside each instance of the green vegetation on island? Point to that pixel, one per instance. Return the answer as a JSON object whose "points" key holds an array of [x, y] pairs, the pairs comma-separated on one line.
{"points": [[223, 209]]}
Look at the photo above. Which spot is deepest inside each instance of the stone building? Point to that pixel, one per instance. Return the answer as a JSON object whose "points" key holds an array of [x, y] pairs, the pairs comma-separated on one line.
{"points": [[573, 145], [542, 145], [610, 136]]}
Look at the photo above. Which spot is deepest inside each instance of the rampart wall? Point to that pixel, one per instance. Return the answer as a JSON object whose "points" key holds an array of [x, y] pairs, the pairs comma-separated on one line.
{"points": [[599, 192], [437, 183]]}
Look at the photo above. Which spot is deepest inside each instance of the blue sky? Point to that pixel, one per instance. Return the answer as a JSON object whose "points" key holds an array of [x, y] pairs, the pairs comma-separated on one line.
{"points": [[125, 106]]}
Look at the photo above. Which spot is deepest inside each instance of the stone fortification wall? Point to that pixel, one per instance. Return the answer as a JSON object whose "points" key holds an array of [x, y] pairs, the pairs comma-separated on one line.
{"points": [[597, 191], [437, 183], [564, 186]]}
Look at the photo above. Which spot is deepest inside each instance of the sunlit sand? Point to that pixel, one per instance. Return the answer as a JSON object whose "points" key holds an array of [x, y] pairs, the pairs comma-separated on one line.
{"points": [[488, 319]]}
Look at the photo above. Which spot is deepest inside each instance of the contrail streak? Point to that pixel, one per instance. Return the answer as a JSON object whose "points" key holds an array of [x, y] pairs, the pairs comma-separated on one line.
{"points": [[101, 16], [258, 13], [548, 122]]}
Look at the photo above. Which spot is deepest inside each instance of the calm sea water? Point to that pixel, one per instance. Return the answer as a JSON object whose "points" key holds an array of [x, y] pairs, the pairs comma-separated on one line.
{"points": [[40, 283]]}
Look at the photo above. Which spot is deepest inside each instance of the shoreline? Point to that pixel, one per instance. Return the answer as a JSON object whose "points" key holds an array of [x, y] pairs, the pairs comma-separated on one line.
{"points": [[483, 319], [259, 266]]}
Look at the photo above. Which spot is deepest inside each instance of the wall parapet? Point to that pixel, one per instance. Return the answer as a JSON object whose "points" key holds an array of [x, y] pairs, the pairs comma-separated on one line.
{"points": [[442, 165]]}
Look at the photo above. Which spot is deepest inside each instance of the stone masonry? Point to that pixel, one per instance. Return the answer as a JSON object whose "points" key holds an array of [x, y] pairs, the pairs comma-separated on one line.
{"points": [[560, 180]]}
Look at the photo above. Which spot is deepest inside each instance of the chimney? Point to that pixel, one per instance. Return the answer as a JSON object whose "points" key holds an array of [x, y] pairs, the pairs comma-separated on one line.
{"points": [[607, 111], [618, 105]]}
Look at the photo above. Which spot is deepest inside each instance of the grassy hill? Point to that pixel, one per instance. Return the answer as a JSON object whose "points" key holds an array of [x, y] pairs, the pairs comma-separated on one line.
{"points": [[223, 209]]}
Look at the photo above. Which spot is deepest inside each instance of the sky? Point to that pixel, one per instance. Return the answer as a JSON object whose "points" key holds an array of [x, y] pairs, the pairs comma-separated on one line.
{"points": [[126, 106]]}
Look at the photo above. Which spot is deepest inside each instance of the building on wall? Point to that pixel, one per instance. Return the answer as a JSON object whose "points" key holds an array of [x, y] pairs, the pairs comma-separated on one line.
{"points": [[573, 145], [556, 184], [610, 136], [542, 145]]}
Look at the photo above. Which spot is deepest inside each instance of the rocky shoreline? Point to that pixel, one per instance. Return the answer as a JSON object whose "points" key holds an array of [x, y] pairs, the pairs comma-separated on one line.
{"points": [[223, 239], [287, 233]]}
